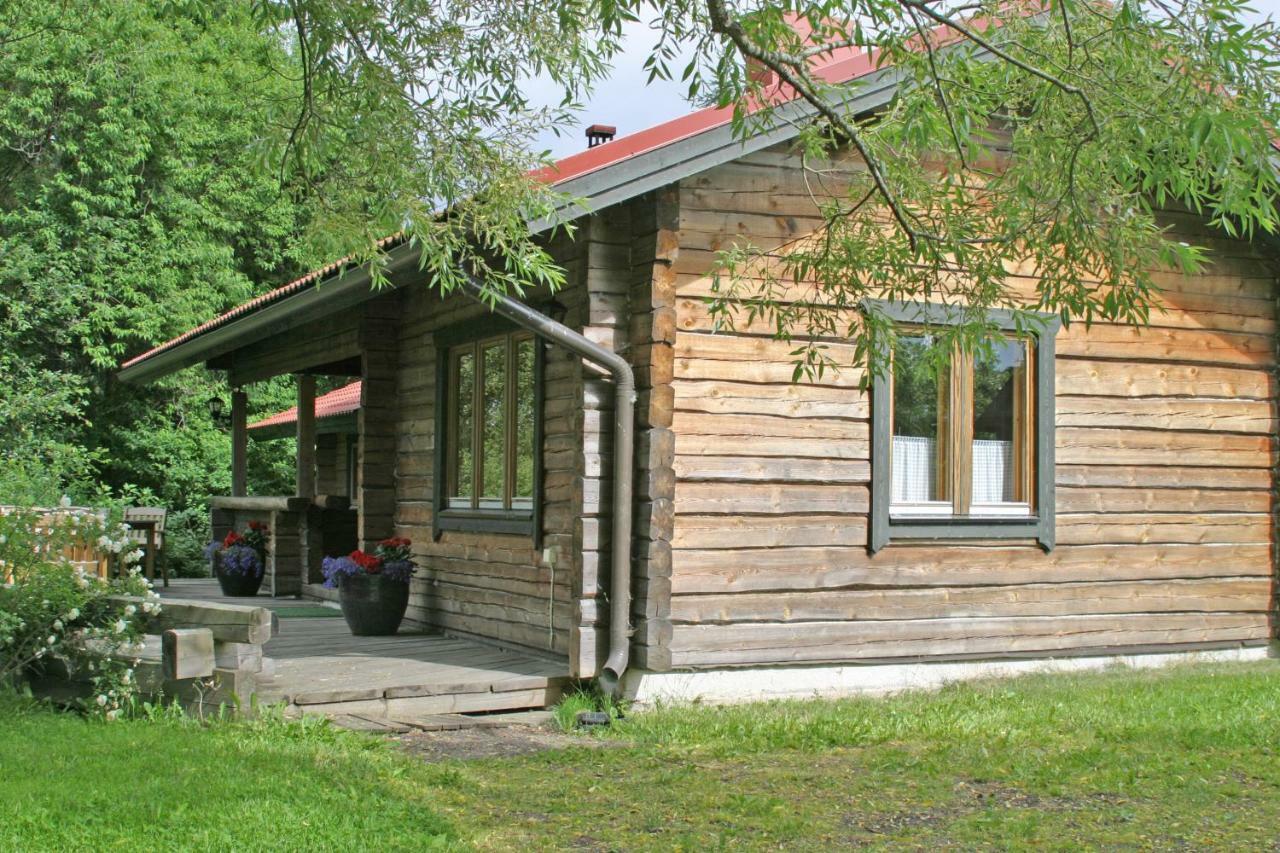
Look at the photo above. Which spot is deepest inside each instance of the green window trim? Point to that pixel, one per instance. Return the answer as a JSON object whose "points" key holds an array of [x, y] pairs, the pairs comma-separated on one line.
{"points": [[517, 521], [1038, 527]]}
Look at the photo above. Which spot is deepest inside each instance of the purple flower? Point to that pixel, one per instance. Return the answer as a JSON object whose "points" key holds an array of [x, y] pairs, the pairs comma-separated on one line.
{"points": [[335, 567], [237, 559], [397, 570]]}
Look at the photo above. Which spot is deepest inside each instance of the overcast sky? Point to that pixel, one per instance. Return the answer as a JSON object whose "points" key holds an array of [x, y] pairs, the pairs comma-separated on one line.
{"points": [[625, 101]]}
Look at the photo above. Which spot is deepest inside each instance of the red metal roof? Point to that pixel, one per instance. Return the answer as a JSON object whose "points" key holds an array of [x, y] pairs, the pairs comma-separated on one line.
{"points": [[838, 67], [340, 402]]}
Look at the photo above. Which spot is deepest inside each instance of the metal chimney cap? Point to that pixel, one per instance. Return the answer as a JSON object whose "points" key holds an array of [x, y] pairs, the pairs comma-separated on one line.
{"points": [[600, 133]]}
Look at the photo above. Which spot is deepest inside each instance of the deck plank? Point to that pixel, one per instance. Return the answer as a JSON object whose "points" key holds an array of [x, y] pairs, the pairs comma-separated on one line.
{"points": [[317, 664]]}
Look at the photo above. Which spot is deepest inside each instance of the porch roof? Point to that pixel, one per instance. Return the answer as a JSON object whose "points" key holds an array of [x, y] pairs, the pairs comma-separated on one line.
{"points": [[333, 414]]}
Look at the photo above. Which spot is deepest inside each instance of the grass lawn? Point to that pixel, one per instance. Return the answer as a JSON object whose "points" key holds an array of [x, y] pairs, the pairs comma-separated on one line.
{"points": [[1182, 757]]}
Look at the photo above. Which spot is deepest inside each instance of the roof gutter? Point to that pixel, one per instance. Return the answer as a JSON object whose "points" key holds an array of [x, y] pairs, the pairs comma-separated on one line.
{"points": [[624, 389]]}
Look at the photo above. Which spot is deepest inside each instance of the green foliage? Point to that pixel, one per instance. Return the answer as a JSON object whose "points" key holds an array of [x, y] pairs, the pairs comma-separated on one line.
{"points": [[582, 699], [52, 612], [132, 208], [413, 107], [1106, 115]]}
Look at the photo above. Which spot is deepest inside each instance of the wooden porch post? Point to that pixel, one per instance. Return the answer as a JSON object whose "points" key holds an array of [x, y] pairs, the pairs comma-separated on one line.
{"points": [[239, 443], [306, 436]]}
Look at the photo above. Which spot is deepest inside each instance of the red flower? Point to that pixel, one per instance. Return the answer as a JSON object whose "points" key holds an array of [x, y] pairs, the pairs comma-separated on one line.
{"points": [[232, 538], [395, 542], [258, 525], [371, 563]]}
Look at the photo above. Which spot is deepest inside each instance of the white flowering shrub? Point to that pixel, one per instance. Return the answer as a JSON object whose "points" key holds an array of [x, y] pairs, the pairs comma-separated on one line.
{"points": [[54, 613]]}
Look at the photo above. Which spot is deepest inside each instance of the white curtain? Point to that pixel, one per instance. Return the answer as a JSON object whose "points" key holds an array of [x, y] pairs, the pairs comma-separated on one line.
{"points": [[992, 471], [915, 463], [915, 466]]}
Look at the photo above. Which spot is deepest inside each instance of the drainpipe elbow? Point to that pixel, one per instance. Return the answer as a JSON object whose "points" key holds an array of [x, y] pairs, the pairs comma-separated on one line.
{"points": [[611, 673]]}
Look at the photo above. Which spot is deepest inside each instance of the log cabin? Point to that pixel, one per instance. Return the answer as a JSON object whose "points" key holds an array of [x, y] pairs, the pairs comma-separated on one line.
{"points": [[726, 532]]}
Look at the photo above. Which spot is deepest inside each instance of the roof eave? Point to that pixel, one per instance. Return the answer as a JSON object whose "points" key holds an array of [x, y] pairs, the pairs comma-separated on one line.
{"points": [[325, 297]]}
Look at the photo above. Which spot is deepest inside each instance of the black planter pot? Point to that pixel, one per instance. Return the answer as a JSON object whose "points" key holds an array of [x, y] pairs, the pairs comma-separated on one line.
{"points": [[372, 605], [234, 584]]}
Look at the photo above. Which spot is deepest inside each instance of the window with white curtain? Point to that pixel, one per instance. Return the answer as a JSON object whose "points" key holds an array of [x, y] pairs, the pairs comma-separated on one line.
{"points": [[962, 440], [963, 429]]}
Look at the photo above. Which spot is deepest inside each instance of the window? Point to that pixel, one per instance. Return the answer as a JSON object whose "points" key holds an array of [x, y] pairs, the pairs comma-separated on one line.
{"points": [[488, 406], [962, 443]]}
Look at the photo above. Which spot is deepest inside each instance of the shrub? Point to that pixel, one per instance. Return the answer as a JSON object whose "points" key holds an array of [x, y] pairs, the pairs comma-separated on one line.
{"points": [[54, 615], [185, 537]]}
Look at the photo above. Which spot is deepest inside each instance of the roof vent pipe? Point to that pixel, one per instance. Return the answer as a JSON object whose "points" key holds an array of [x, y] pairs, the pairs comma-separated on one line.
{"points": [[599, 134], [624, 390]]}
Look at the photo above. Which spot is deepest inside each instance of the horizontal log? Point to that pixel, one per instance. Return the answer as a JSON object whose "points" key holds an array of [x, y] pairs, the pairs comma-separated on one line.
{"points": [[1171, 315], [758, 643], [1067, 599], [228, 623], [788, 400], [1097, 446], [736, 426], [1095, 499], [962, 564], [1161, 344], [1110, 379], [766, 372], [1129, 528], [767, 445], [717, 531], [264, 504], [1218, 415], [749, 469], [768, 498], [1171, 476]]}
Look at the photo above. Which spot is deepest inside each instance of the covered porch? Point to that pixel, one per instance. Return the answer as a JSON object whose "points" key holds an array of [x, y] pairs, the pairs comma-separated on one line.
{"points": [[344, 446], [313, 665]]}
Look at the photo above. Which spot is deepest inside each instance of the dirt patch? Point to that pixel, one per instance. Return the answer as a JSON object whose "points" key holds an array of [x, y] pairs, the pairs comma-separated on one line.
{"points": [[973, 796], [472, 744]]}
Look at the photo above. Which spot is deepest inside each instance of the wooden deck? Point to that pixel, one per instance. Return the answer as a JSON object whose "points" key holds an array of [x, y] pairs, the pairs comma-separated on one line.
{"points": [[315, 665]]}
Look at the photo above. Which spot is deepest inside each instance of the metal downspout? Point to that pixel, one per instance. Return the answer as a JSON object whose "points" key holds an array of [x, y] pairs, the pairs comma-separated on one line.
{"points": [[623, 463]]}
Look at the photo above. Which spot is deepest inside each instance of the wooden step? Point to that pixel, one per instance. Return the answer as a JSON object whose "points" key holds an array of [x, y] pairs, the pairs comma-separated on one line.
{"points": [[415, 701]]}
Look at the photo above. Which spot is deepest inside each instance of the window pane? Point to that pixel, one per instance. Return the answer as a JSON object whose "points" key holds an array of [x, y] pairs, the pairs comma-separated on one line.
{"points": [[525, 416], [464, 383], [920, 392], [493, 426], [999, 428]]}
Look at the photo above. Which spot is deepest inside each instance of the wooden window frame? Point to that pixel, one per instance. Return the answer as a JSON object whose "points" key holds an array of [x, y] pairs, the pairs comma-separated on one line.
{"points": [[1035, 461], [476, 335]]}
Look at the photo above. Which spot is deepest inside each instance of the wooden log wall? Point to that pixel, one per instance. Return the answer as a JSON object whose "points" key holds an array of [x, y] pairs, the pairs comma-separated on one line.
{"points": [[377, 420], [1166, 460], [487, 585], [330, 454], [626, 256]]}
